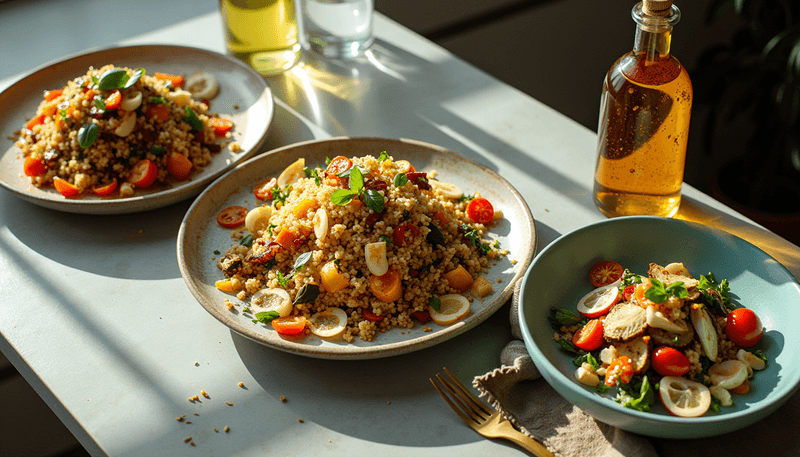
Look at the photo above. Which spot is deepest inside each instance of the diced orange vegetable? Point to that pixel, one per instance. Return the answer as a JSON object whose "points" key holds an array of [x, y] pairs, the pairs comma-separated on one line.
{"points": [[286, 238], [388, 287], [50, 95], [50, 109], [332, 280], [33, 166], [159, 112], [65, 188], [220, 126], [459, 278], [108, 189], [225, 285], [301, 209], [742, 388], [179, 166], [176, 80], [90, 94], [36, 120], [114, 100], [143, 174]]}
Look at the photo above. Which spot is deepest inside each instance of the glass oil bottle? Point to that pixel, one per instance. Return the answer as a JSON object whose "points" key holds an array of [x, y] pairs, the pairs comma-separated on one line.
{"points": [[644, 121]]}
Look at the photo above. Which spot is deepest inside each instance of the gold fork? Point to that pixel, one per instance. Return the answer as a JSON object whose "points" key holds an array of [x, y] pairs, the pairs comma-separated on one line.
{"points": [[481, 417]]}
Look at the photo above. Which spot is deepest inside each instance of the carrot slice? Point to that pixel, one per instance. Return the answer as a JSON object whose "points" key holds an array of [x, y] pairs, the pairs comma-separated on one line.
{"points": [[388, 287]]}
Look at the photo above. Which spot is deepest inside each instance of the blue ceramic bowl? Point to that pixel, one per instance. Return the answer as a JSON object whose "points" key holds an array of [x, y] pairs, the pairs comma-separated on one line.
{"points": [[558, 277]]}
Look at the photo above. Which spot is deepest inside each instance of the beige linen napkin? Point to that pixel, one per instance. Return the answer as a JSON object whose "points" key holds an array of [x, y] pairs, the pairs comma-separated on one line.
{"points": [[518, 390]]}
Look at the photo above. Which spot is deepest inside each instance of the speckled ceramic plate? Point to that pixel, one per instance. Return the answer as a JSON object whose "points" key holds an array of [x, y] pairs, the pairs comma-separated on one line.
{"points": [[200, 236], [757, 281], [244, 96]]}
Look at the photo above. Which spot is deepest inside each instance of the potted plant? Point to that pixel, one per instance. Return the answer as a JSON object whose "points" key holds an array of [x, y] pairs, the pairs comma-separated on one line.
{"points": [[748, 95]]}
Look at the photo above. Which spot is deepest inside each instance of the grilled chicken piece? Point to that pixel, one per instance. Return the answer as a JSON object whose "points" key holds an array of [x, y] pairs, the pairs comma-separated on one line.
{"points": [[661, 273], [638, 351], [624, 322], [663, 337]]}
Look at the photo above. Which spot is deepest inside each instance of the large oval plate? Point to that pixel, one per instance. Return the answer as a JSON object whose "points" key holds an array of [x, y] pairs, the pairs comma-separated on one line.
{"points": [[200, 236], [757, 281], [244, 96]]}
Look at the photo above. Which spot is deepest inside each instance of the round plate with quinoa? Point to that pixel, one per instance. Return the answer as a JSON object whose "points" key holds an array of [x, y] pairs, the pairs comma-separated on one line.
{"points": [[355, 248], [129, 129]]}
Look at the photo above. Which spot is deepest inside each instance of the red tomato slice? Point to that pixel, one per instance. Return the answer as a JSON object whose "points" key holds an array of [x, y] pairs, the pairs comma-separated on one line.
{"points": [[338, 165], [620, 370], [108, 189], [590, 336], [421, 316], [669, 361], [232, 216], [599, 301], [33, 166], [480, 210], [65, 188], [604, 273], [263, 190], [143, 174], [114, 100], [744, 327], [370, 316], [627, 293], [220, 126], [289, 325]]}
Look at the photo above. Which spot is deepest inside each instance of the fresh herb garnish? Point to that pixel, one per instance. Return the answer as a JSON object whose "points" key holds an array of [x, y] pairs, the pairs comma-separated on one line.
{"points": [[435, 303], [99, 103], [760, 355], [280, 196], [563, 318], [406, 215], [246, 240], [639, 396], [313, 173], [216, 252], [87, 134], [192, 119], [95, 80], [265, 317], [385, 239], [568, 346], [588, 358], [629, 278], [282, 280], [715, 404], [475, 239], [113, 79], [383, 156], [157, 100], [400, 180], [601, 388], [157, 149], [302, 260], [63, 114], [710, 282], [270, 228], [658, 293], [466, 198], [327, 161], [372, 198], [138, 73]]}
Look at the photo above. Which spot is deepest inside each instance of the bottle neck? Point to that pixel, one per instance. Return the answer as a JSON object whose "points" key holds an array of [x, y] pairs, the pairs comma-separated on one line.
{"points": [[654, 33]]}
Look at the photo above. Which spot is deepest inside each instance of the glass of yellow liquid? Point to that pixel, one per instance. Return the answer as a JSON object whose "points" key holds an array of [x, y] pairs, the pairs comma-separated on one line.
{"points": [[262, 33]]}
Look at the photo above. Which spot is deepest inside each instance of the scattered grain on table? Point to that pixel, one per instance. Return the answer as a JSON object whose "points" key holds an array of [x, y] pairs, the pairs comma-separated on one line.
{"points": [[241, 384], [204, 393], [300, 419], [283, 398], [187, 439], [227, 429]]}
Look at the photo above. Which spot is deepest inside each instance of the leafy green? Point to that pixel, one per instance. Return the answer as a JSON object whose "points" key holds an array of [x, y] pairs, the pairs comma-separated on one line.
{"points": [[279, 195], [601, 388], [629, 278], [216, 252], [466, 198], [568, 346], [342, 197], [302, 260], [313, 173], [588, 358], [157, 100], [157, 149], [715, 404], [657, 293], [192, 119], [138, 73], [372, 198], [265, 317], [639, 396], [435, 303], [385, 239], [87, 134], [475, 239], [99, 103], [246, 240], [710, 282], [113, 79], [563, 318], [383, 156], [400, 180], [282, 280]]}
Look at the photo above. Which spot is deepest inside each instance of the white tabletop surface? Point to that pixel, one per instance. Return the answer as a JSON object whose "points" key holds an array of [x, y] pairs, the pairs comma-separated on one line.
{"points": [[96, 317]]}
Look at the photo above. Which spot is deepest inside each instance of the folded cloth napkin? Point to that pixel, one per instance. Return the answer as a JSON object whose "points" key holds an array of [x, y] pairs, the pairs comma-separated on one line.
{"points": [[519, 392]]}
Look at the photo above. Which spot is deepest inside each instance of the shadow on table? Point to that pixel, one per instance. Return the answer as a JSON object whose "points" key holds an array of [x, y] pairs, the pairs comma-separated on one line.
{"points": [[372, 399]]}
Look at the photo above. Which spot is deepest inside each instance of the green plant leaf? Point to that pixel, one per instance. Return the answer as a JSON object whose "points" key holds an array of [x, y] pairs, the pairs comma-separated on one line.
{"points": [[342, 196]]}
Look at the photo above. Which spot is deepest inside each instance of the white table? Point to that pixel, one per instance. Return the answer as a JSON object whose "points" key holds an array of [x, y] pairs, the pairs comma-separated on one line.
{"points": [[96, 317]]}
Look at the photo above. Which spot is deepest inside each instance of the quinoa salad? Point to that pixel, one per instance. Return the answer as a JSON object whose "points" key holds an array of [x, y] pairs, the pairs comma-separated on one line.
{"points": [[355, 247], [665, 336], [114, 130]]}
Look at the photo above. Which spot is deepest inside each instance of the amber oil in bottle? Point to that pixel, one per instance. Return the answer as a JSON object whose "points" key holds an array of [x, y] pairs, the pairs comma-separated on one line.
{"points": [[644, 121]]}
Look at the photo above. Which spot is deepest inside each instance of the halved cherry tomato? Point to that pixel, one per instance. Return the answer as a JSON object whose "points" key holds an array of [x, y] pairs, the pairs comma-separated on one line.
{"points": [[338, 165], [179, 166], [421, 316], [36, 120], [627, 293], [480, 210], [232, 216], [263, 190], [108, 189], [370, 316], [605, 273], [33, 166], [65, 188], [114, 100], [590, 336], [669, 361], [620, 370], [220, 126], [143, 174], [289, 325], [744, 327], [176, 80], [159, 112], [388, 287], [400, 233]]}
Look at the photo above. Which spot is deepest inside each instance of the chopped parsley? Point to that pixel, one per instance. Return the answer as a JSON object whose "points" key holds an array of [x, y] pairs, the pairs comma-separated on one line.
{"points": [[658, 293], [192, 119], [475, 239], [638, 395], [383, 156], [466, 198], [246, 240]]}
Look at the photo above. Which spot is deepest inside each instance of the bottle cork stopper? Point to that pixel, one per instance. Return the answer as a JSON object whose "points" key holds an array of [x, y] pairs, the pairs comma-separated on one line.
{"points": [[657, 7]]}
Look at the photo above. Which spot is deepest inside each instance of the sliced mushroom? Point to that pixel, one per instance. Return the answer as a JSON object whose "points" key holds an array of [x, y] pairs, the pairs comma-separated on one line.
{"points": [[706, 332], [638, 351], [661, 273], [624, 322]]}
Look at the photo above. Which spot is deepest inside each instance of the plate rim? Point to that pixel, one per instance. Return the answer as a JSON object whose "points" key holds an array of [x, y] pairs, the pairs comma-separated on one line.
{"points": [[637, 421], [151, 200], [352, 352]]}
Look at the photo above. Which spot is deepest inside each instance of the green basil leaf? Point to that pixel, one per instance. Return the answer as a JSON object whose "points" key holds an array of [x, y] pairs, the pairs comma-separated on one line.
{"points": [[400, 180], [113, 79], [677, 289], [246, 240], [192, 119], [95, 80], [134, 77], [374, 200], [383, 156], [385, 239], [435, 303], [356, 180], [302, 260], [87, 134], [657, 293], [99, 103], [342, 196], [265, 317]]}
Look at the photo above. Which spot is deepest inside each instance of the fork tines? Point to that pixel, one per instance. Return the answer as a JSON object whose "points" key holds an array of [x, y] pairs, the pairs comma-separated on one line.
{"points": [[470, 408]]}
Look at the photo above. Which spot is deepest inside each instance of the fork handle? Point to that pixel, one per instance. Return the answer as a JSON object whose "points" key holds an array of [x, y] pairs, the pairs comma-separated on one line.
{"points": [[526, 442]]}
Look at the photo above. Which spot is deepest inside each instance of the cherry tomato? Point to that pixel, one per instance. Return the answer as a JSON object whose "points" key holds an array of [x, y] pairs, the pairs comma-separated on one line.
{"points": [[744, 328], [179, 166], [627, 293], [33, 166], [590, 336], [263, 190], [421, 316], [370, 316], [620, 370], [338, 165], [108, 189], [399, 235], [669, 361], [232, 216], [143, 174], [605, 273], [220, 126], [480, 210], [114, 100], [65, 188], [289, 325]]}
